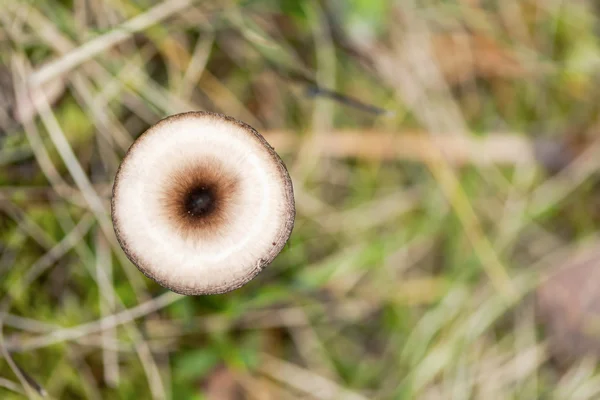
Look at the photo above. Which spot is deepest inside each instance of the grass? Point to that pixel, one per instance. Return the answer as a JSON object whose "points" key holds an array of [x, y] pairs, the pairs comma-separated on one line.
{"points": [[423, 225]]}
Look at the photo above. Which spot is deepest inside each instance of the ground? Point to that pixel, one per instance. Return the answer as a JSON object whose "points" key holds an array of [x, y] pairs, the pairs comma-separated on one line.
{"points": [[444, 156]]}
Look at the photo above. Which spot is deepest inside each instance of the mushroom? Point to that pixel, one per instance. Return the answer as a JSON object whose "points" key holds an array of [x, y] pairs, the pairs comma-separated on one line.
{"points": [[202, 203]]}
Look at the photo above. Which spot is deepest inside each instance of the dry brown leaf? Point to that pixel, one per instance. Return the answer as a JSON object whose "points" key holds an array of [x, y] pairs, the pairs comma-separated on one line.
{"points": [[222, 385], [569, 307]]}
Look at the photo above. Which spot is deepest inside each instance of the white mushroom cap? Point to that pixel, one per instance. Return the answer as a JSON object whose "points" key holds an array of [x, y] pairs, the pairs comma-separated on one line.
{"points": [[201, 203]]}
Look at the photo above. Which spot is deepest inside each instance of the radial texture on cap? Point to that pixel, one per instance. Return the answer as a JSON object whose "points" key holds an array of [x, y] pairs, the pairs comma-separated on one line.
{"points": [[201, 203]]}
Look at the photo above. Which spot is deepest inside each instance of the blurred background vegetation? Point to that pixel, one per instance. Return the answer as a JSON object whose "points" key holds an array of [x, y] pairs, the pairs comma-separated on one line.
{"points": [[444, 157]]}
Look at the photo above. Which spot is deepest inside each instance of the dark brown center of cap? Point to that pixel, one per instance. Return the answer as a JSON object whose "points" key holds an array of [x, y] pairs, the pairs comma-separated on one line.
{"points": [[200, 201]]}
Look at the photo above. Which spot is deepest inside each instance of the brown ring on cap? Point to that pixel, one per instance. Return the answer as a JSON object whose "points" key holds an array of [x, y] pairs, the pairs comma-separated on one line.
{"points": [[199, 198]]}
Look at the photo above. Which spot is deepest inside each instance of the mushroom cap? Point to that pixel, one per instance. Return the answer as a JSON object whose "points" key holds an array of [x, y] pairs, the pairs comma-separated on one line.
{"points": [[202, 203]]}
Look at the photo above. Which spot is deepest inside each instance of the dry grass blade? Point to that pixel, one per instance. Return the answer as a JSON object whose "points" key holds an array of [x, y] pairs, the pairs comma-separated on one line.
{"points": [[111, 321], [10, 385], [28, 390], [305, 381], [491, 149], [59, 250], [107, 305], [103, 42]]}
